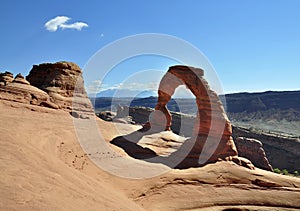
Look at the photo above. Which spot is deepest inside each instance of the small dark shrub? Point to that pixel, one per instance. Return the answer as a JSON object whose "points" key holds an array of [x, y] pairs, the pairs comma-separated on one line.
{"points": [[285, 172], [277, 170]]}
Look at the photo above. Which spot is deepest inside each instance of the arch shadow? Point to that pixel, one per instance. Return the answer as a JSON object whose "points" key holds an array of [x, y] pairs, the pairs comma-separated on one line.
{"points": [[183, 158]]}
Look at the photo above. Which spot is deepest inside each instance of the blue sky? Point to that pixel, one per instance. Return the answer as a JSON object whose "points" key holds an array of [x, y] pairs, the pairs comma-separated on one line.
{"points": [[253, 45]]}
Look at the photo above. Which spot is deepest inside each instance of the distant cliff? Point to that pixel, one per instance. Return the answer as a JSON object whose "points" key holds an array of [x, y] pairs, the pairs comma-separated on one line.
{"points": [[252, 102], [282, 152]]}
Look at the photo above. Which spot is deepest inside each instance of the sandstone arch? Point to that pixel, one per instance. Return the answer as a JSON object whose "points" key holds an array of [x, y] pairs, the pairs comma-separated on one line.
{"points": [[212, 124]]}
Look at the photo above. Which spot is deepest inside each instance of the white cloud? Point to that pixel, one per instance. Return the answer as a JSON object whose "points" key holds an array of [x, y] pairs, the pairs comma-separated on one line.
{"points": [[61, 22], [53, 24], [77, 25]]}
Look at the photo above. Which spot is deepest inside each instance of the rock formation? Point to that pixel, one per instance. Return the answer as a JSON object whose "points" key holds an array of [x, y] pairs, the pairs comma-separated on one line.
{"points": [[122, 115], [20, 79], [20, 90], [252, 149], [106, 115], [212, 129], [63, 82], [6, 78], [282, 152], [58, 85]]}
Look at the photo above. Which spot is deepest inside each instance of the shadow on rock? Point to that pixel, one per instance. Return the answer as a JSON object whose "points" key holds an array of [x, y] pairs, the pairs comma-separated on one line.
{"points": [[182, 158]]}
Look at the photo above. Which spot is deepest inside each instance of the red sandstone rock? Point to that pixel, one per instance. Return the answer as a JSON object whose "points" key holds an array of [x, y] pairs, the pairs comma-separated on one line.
{"points": [[212, 128], [58, 85], [20, 79], [59, 77], [63, 82], [23, 93], [6, 78], [252, 149]]}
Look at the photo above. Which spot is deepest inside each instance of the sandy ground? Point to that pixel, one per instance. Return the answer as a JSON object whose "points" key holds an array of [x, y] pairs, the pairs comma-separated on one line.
{"points": [[45, 168]]}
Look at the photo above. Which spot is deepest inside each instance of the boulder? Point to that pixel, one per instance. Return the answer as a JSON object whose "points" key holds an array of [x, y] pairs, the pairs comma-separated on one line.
{"points": [[106, 115], [282, 152], [64, 83], [252, 149]]}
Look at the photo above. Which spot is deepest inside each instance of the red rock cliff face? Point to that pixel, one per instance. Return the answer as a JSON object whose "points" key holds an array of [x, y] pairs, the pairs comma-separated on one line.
{"points": [[63, 82], [212, 129], [59, 77]]}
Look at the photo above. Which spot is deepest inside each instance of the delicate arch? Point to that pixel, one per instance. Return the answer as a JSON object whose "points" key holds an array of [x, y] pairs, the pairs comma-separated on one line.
{"points": [[211, 122]]}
